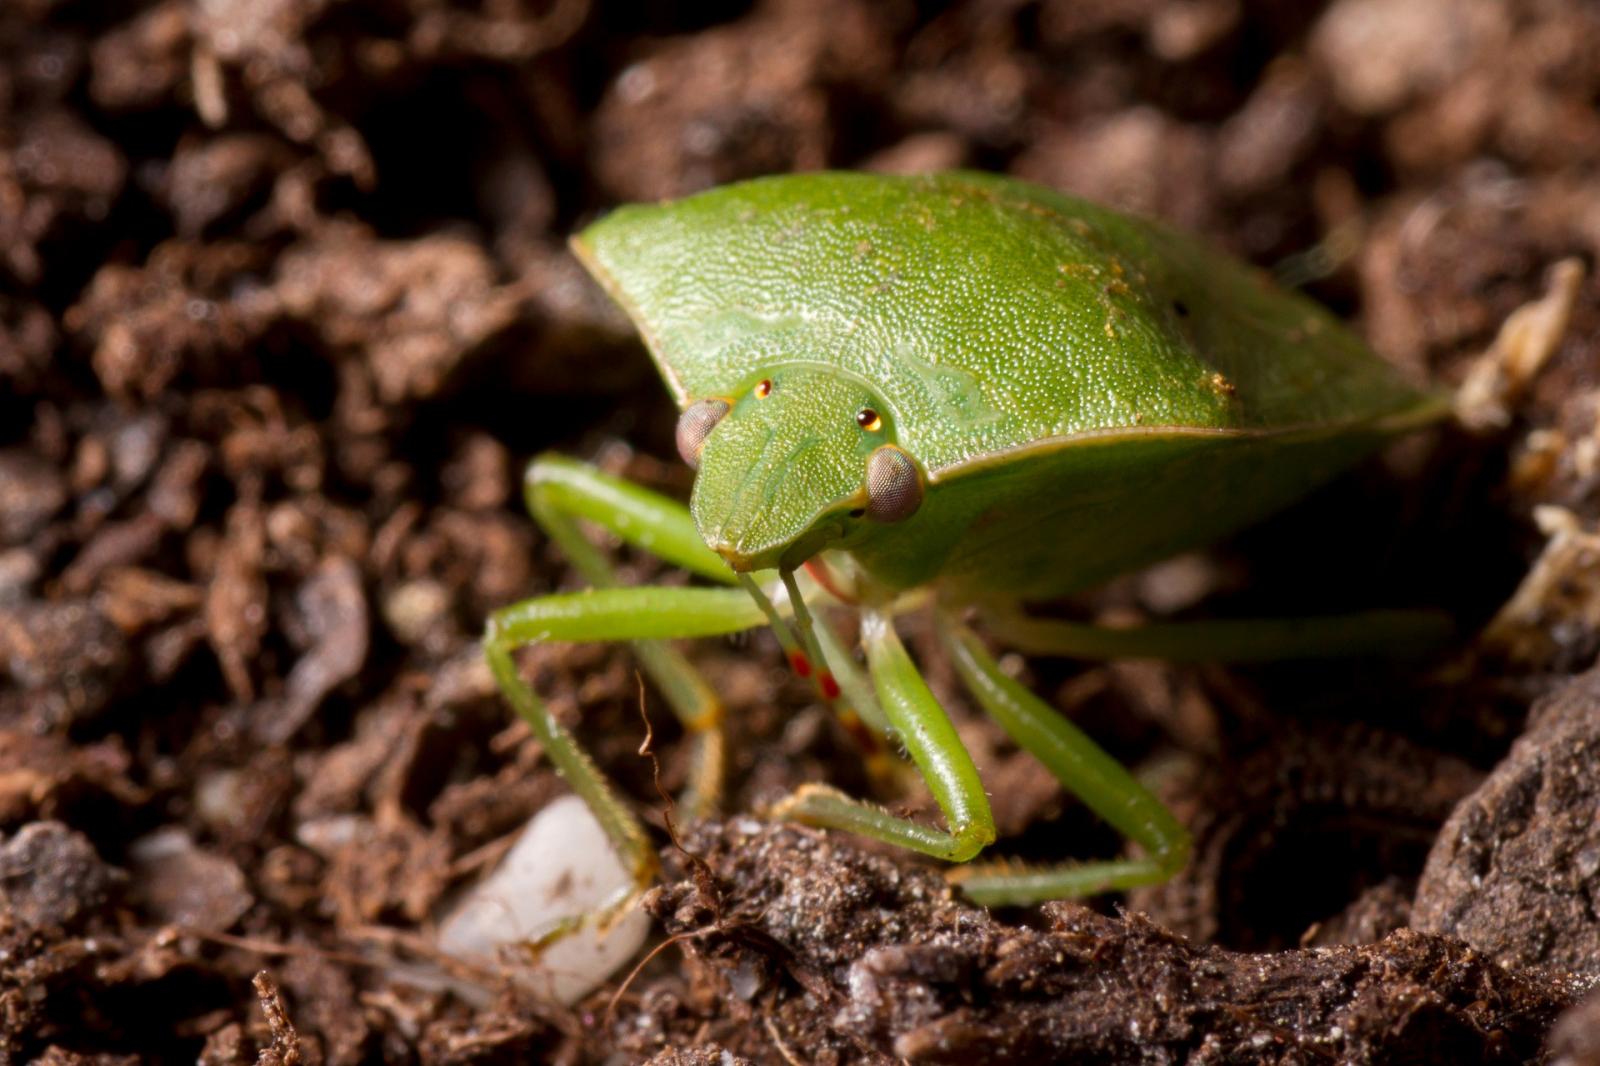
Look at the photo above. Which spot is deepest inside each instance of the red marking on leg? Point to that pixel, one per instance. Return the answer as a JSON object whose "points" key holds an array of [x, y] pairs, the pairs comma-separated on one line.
{"points": [[830, 687], [801, 665]]}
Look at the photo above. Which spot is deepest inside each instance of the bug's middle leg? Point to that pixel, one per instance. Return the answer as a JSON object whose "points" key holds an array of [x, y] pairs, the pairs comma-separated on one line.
{"points": [[921, 724], [1084, 769]]}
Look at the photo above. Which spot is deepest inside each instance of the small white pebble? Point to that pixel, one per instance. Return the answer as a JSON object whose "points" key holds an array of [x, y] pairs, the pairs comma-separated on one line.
{"points": [[561, 867], [219, 798], [416, 608], [327, 835]]}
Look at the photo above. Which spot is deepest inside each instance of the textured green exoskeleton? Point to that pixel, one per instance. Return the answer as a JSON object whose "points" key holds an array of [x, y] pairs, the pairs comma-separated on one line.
{"points": [[953, 390]]}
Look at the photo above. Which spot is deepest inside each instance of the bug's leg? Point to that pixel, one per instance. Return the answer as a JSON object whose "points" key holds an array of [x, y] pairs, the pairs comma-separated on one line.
{"points": [[1084, 769], [813, 652], [862, 703], [932, 742], [607, 614], [862, 716], [1390, 634], [560, 491], [833, 669]]}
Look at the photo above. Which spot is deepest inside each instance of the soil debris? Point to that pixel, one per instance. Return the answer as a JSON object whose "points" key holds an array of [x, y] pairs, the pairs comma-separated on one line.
{"points": [[330, 623], [51, 879], [1325, 803], [285, 1047], [1524, 344], [1552, 622], [812, 929]]}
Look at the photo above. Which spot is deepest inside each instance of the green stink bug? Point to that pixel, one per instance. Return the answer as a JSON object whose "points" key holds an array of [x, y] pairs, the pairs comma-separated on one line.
{"points": [[953, 389]]}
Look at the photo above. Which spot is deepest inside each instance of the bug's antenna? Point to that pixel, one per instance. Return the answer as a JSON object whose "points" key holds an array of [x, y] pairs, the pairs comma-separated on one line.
{"points": [[806, 658], [808, 637], [803, 651], [780, 625], [880, 764]]}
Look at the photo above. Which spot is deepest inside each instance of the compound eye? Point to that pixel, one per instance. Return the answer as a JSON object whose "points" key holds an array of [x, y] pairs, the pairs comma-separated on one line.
{"points": [[695, 425], [894, 486]]}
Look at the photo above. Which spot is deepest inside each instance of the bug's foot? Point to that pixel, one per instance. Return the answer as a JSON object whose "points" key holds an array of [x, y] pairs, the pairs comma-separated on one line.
{"points": [[1011, 884], [602, 921]]}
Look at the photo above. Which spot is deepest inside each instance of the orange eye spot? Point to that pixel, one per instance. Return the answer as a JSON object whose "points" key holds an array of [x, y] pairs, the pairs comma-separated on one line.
{"points": [[799, 663], [868, 420], [763, 389], [830, 687]]}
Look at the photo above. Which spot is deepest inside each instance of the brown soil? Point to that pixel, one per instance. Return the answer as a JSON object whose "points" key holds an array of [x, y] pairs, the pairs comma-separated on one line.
{"points": [[285, 305]]}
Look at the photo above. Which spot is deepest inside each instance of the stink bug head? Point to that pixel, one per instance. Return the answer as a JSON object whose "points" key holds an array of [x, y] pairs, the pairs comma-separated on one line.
{"points": [[786, 471]]}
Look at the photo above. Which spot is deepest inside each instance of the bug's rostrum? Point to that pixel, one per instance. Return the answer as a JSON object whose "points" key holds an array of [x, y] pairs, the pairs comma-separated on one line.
{"points": [[894, 487], [695, 425]]}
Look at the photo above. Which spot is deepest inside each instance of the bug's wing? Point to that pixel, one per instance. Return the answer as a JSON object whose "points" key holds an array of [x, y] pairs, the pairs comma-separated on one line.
{"points": [[1284, 360], [992, 314]]}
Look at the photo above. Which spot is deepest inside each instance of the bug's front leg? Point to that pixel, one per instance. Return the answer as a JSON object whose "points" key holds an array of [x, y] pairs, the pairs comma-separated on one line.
{"points": [[634, 614], [559, 492], [919, 721], [1084, 769]]}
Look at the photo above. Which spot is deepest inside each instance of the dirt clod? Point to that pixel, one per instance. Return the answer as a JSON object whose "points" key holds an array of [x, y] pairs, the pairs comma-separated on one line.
{"points": [[1575, 1040], [705, 1055], [1516, 870], [65, 658], [180, 884], [31, 492], [51, 878]]}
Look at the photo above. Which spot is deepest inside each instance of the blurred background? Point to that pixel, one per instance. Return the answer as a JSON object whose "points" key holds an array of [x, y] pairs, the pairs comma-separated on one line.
{"points": [[285, 305]]}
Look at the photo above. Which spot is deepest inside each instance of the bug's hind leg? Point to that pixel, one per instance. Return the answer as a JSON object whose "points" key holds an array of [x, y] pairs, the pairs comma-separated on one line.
{"points": [[931, 740], [1383, 633], [559, 492], [1084, 769]]}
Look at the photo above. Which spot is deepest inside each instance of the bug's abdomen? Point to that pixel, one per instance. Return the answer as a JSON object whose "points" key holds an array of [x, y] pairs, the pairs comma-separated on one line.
{"points": [[1073, 516]]}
